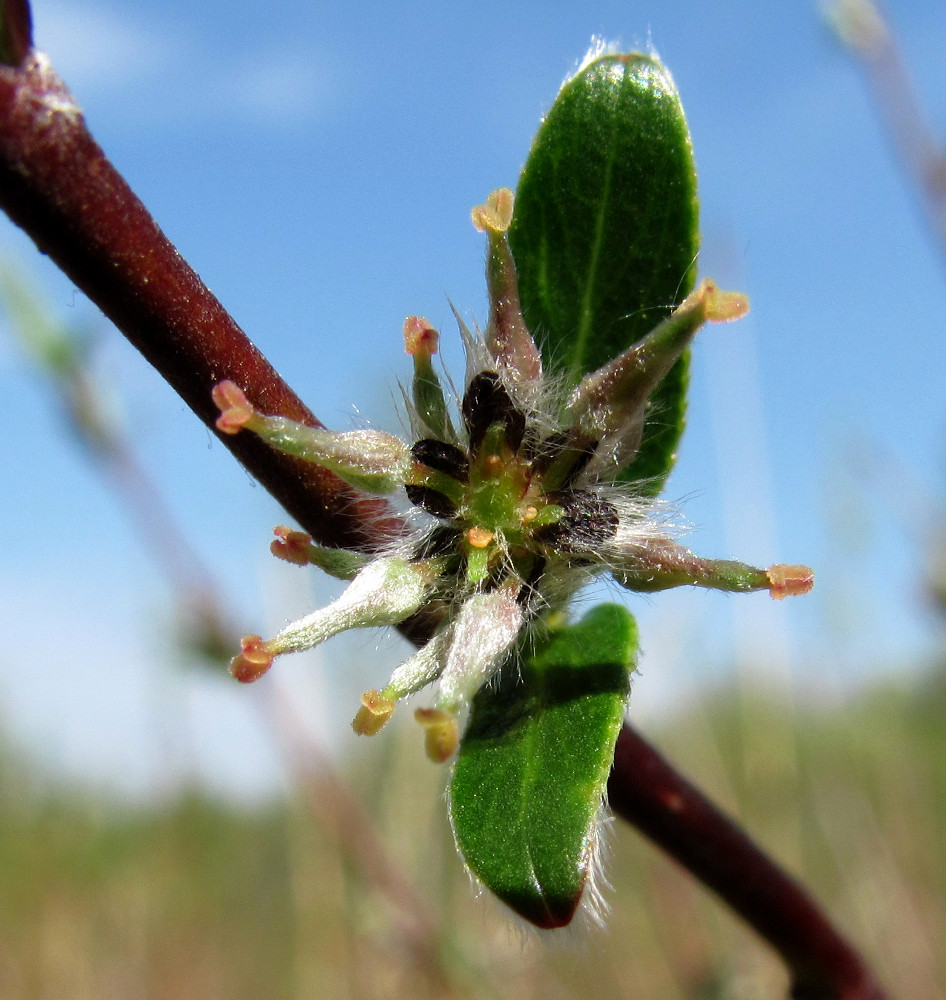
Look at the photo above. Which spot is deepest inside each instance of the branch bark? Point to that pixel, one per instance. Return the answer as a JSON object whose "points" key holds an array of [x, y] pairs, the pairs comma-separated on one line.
{"points": [[57, 185]]}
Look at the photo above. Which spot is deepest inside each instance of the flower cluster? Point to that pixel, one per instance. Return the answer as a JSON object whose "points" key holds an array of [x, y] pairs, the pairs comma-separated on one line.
{"points": [[515, 499]]}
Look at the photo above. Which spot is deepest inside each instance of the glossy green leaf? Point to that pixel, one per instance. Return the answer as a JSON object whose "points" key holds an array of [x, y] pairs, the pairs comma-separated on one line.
{"points": [[605, 232], [532, 767]]}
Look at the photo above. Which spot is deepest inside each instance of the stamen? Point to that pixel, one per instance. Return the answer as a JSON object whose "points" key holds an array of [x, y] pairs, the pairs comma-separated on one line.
{"points": [[789, 581], [420, 338], [441, 733], [421, 341], [610, 403], [296, 547], [291, 546], [236, 410], [507, 337], [253, 660], [373, 715], [495, 215]]}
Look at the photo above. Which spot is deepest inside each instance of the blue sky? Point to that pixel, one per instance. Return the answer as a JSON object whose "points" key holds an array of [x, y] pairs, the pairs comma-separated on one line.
{"points": [[316, 164]]}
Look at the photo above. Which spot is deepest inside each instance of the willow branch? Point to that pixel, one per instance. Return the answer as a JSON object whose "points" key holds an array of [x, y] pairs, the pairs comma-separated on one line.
{"points": [[58, 186]]}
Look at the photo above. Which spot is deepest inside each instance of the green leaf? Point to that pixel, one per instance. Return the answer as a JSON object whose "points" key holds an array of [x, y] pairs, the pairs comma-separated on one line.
{"points": [[532, 767], [605, 232]]}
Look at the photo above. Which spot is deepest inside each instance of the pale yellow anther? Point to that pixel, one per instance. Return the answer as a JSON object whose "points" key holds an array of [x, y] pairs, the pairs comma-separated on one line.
{"points": [[495, 215], [530, 514], [420, 337], [479, 538], [789, 581], [720, 306], [441, 733], [374, 713]]}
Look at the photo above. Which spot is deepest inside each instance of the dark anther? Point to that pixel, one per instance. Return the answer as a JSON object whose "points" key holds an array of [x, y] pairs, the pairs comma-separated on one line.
{"points": [[485, 403], [442, 457], [433, 501], [588, 521]]}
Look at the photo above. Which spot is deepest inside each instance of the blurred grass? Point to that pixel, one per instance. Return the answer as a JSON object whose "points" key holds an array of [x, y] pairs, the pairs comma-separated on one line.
{"points": [[195, 898]]}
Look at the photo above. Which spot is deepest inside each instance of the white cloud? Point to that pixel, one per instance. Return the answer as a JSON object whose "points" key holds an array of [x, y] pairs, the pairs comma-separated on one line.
{"points": [[93, 47], [115, 59]]}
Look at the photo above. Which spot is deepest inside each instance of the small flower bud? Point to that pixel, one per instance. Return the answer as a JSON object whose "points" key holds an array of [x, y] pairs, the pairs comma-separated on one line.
{"points": [[253, 660], [235, 409], [651, 564], [368, 460], [373, 715], [441, 733]]}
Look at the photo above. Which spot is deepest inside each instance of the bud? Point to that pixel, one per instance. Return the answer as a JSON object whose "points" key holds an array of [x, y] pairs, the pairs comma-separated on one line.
{"points": [[419, 670]]}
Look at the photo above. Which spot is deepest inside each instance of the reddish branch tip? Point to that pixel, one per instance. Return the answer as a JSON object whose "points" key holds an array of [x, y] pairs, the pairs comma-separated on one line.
{"points": [[292, 546], [235, 409], [789, 581], [253, 660], [420, 337]]}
